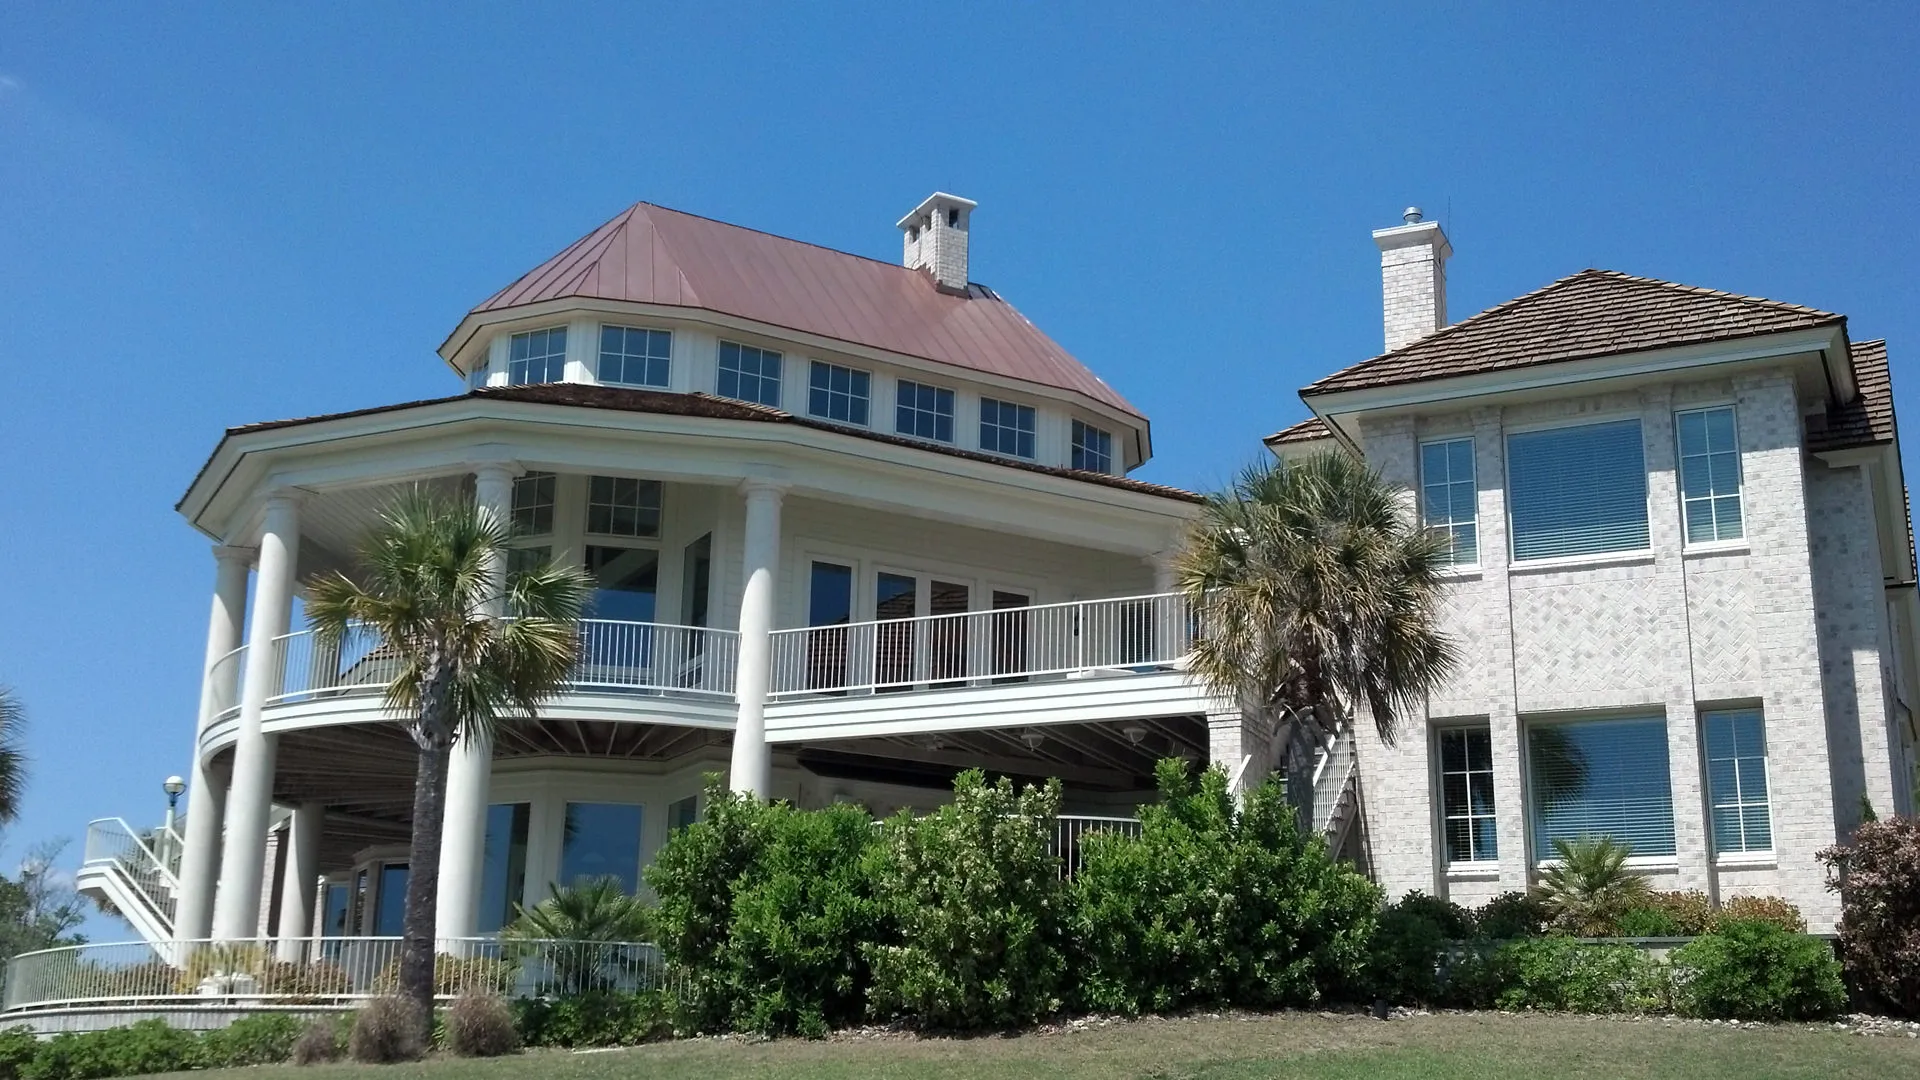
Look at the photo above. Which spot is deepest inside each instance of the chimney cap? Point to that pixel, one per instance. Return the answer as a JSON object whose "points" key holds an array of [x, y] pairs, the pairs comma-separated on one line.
{"points": [[1411, 215], [927, 205]]}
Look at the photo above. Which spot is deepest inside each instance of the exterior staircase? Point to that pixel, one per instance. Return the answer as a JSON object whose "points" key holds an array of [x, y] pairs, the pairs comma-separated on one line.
{"points": [[134, 874]]}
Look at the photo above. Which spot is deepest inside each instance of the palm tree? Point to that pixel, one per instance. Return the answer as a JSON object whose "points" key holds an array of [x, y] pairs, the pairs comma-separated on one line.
{"points": [[13, 755], [427, 585], [1590, 887], [1316, 593], [586, 930]]}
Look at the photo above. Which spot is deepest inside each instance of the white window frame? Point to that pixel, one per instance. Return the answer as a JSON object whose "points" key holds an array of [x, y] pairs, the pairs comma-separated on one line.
{"points": [[1441, 772], [1742, 855], [532, 480], [779, 375], [623, 539], [546, 359], [627, 359], [1033, 434], [1529, 724], [1680, 478], [814, 365], [1074, 430], [1506, 464], [1473, 450], [953, 415]]}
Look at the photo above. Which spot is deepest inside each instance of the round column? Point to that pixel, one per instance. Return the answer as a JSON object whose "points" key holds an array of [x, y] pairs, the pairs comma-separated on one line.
{"points": [[207, 790], [752, 758]]}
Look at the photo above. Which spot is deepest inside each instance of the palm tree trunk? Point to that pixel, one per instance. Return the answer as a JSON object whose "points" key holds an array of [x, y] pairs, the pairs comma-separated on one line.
{"points": [[423, 877]]}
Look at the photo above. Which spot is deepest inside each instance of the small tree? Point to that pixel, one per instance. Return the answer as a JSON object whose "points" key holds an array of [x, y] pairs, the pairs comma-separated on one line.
{"points": [[582, 930], [430, 584], [1591, 886], [1878, 879]]}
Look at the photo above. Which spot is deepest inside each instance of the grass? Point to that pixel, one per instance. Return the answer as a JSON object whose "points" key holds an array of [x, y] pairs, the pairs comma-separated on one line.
{"points": [[1483, 1046]]}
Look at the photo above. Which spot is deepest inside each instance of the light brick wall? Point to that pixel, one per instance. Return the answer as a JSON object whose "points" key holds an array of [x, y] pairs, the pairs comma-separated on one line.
{"points": [[1670, 632], [1413, 285]]}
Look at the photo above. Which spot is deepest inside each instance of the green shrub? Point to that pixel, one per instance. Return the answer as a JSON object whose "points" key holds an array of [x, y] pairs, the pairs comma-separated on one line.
{"points": [[1454, 922], [1692, 913], [1404, 961], [1560, 974], [1590, 885], [480, 1025], [977, 899], [1757, 971], [1209, 906], [768, 909], [262, 1039], [150, 1046], [17, 1047], [1766, 909], [597, 1019], [387, 1030], [319, 1042], [1512, 915], [1878, 879], [1647, 922], [583, 932]]}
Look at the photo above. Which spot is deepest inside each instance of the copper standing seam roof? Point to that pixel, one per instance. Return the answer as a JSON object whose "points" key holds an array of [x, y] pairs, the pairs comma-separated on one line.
{"points": [[626, 399], [1591, 313], [652, 255]]}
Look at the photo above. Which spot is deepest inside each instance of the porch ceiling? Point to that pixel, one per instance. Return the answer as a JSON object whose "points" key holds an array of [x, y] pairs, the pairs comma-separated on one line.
{"points": [[1098, 756]]}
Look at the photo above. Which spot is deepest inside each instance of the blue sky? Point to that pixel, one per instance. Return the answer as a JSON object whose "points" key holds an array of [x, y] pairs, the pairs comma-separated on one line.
{"points": [[209, 218]]}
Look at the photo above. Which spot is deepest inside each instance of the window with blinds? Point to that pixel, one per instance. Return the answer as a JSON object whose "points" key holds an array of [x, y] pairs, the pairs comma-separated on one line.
{"points": [[1577, 490], [1736, 741], [1594, 778], [1709, 474], [1448, 497]]}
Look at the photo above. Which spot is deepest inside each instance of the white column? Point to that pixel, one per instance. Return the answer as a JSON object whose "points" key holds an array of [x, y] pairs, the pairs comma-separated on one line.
{"points": [[463, 833], [752, 760], [236, 909], [301, 870], [207, 790]]}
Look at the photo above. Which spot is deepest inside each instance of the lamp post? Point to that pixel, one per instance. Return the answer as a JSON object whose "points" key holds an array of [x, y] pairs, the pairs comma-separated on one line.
{"points": [[173, 786]]}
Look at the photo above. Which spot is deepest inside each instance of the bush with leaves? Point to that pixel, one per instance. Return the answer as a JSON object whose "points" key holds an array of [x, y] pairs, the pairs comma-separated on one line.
{"points": [[1757, 971], [480, 1025], [977, 899], [386, 1030], [586, 934], [1648, 921], [1766, 909], [1213, 905], [769, 909], [596, 1019], [1407, 944], [318, 1044], [17, 1047], [1692, 913], [150, 1046], [1514, 914], [1590, 886], [1878, 879], [262, 1039], [1559, 974]]}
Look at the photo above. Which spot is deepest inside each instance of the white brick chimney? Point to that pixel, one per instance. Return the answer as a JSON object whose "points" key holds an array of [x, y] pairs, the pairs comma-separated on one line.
{"points": [[1413, 278], [936, 239]]}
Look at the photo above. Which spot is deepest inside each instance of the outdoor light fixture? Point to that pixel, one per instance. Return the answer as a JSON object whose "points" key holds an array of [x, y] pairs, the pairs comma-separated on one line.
{"points": [[173, 786], [1134, 733], [1032, 738]]}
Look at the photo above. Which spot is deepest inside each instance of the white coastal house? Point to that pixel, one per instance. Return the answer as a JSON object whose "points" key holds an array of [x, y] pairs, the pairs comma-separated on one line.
{"points": [[858, 525], [1683, 580]]}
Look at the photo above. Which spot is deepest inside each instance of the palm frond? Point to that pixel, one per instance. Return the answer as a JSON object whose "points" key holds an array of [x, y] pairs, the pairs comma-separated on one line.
{"points": [[13, 755]]}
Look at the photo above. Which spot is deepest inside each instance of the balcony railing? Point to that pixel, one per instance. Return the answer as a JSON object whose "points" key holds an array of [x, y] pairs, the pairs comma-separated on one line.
{"points": [[315, 971], [983, 648]]}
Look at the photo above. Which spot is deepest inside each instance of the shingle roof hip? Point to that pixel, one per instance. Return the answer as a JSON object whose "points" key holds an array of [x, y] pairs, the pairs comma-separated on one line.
{"points": [[626, 399], [1312, 429], [1868, 419], [653, 255], [1591, 313]]}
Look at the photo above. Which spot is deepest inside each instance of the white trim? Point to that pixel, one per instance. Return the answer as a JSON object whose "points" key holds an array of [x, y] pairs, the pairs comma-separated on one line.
{"points": [[1581, 562], [1507, 433], [1680, 475]]}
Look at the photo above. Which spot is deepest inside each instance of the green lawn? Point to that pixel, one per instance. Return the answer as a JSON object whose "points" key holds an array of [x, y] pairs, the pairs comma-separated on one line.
{"points": [[1483, 1046]]}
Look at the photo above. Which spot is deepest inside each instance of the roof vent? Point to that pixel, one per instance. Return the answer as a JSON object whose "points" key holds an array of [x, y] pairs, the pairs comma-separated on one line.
{"points": [[1411, 215], [936, 239]]}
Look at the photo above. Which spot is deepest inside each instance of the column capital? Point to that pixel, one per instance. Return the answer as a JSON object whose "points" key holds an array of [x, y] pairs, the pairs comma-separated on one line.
{"points": [[761, 488], [290, 497], [235, 553], [501, 471]]}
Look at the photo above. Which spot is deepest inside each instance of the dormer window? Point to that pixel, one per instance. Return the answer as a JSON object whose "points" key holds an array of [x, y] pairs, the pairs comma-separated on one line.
{"points": [[838, 393], [537, 356], [631, 356], [925, 412], [1006, 428], [1092, 448], [477, 378], [750, 374]]}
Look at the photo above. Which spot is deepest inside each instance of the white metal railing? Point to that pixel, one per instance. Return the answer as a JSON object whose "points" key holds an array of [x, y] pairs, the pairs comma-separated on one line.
{"points": [[227, 675], [616, 657], [1084, 637], [1072, 828], [113, 844], [1331, 775], [317, 971]]}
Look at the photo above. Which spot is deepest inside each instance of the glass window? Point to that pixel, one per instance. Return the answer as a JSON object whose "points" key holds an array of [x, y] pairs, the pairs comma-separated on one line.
{"points": [[625, 580], [829, 604], [1577, 490], [1466, 795], [925, 412], [390, 905], [696, 581], [1737, 780], [601, 840], [1092, 448], [521, 560], [533, 504], [339, 905], [838, 393], [478, 376], [631, 356], [750, 374], [1448, 497], [1709, 474], [623, 506], [1006, 428], [503, 875], [1601, 778], [537, 356], [682, 813]]}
